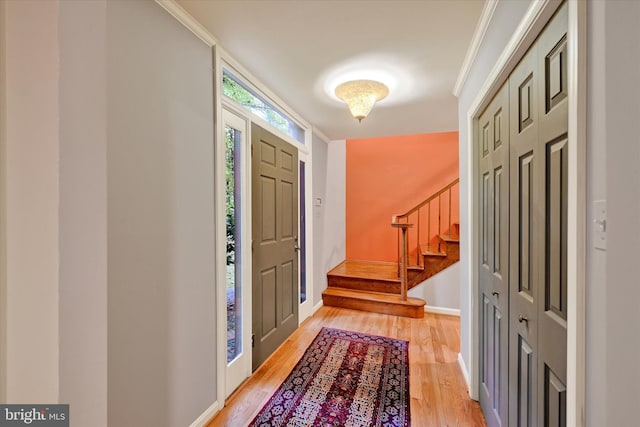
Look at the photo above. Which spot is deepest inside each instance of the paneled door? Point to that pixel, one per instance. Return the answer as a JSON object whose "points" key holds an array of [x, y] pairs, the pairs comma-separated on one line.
{"points": [[494, 258], [538, 230], [526, 200], [274, 230], [553, 145]]}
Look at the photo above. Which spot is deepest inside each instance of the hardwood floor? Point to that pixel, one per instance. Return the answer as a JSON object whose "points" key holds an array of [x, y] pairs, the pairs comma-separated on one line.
{"points": [[438, 391]]}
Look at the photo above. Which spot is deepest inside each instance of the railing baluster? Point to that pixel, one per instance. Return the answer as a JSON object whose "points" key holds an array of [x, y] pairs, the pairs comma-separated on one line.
{"points": [[402, 220], [418, 240], [439, 219], [398, 247], [405, 259], [405, 243], [449, 210], [429, 228]]}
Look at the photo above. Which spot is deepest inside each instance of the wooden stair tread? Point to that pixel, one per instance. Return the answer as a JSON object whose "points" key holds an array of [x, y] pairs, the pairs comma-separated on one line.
{"points": [[367, 270], [426, 251], [450, 238], [374, 296]]}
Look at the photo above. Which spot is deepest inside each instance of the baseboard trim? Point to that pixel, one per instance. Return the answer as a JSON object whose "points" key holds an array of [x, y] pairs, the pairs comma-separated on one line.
{"points": [[442, 310], [317, 307], [206, 416], [463, 368]]}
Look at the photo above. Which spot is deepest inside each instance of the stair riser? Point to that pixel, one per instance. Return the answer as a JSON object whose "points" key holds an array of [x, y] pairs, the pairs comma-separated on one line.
{"points": [[373, 306], [360, 284], [452, 249], [434, 264]]}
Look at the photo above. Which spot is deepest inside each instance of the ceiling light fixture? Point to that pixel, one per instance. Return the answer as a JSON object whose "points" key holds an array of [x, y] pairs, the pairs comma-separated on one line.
{"points": [[361, 95]]}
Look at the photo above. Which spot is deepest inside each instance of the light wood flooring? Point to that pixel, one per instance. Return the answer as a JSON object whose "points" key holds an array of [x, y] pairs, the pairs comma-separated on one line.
{"points": [[438, 392]]}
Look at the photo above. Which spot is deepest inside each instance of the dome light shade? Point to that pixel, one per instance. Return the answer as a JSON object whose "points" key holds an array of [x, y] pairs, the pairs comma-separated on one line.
{"points": [[361, 95]]}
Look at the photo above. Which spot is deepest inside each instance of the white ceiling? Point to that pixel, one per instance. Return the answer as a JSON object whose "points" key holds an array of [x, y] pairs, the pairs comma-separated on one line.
{"points": [[297, 47]]}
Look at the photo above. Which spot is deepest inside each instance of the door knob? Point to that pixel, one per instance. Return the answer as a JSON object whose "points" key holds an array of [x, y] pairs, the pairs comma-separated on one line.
{"points": [[522, 318], [495, 293], [295, 245]]}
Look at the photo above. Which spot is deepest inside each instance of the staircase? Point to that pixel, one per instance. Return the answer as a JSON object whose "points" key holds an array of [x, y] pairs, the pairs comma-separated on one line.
{"points": [[428, 242]]}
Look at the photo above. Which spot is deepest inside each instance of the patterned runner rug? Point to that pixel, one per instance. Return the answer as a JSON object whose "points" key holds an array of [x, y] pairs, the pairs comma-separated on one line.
{"points": [[344, 379]]}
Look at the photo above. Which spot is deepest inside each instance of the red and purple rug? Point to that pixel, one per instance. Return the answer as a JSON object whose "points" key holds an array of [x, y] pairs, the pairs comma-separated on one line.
{"points": [[344, 379]]}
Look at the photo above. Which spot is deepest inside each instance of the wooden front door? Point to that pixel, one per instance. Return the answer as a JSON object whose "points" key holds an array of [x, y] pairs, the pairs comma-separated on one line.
{"points": [[274, 230], [494, 258]]}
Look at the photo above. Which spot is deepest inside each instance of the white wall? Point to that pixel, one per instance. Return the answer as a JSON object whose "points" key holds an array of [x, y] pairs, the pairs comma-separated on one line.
{"points": [[596, 288], [506, 18], [31, 180], [161, 297], [83, 211], [320, 150], [332, 223], [441, 290], [95, 102], [3, 282], [621, 127]]}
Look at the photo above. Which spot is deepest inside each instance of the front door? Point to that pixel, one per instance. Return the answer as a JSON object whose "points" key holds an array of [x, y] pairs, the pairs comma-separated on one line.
{"points": [[275, 245]]}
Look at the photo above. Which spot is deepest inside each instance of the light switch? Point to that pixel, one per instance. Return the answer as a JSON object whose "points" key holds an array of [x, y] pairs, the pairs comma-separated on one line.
{"points": [[600, 224], [318, 201]]}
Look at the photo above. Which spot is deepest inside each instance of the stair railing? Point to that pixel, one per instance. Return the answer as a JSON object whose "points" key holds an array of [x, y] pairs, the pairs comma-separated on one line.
{"points": [[402, 223]]}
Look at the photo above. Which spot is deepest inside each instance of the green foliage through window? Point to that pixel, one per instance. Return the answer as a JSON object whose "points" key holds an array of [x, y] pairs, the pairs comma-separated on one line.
{"points": [[234, 89], [232, 141], [229, 154]]}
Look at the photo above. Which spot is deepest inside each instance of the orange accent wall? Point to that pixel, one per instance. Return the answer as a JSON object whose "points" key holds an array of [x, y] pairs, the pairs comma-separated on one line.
{"points": [[388, 176]]}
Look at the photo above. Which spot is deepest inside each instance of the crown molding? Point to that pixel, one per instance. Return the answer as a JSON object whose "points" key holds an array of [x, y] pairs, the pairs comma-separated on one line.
{"points": [[474, 46], [317, 132], [188, 21]]}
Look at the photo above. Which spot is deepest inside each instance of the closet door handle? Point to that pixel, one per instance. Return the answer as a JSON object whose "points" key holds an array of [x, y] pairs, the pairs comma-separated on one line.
{"points": [[522, 319]]}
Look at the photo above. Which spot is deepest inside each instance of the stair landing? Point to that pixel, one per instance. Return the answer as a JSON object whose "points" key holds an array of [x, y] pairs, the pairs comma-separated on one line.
{"points": [[375, 302], [369, 286], [367, 269]]}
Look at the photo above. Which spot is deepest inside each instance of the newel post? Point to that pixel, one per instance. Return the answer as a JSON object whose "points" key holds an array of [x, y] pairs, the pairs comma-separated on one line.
{"points": [[404, 258]]}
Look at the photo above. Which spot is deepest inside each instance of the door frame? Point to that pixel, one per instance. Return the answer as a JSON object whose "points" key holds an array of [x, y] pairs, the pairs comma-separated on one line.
{"points": [[305, 309], [222, 60], [537, 16], [3, 291], [305, 153], [241, 123]]}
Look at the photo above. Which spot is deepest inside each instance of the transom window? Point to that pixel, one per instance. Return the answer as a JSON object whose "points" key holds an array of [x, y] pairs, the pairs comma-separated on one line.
{"points": [[238, 91]]}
